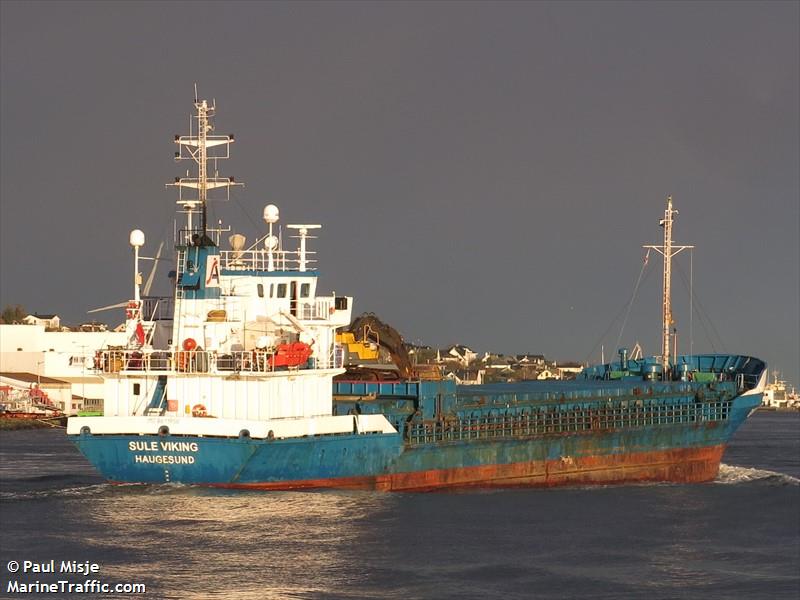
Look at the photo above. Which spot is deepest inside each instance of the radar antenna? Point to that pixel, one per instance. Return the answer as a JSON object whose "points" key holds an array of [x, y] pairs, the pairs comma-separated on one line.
{"points": [[195, 147]]}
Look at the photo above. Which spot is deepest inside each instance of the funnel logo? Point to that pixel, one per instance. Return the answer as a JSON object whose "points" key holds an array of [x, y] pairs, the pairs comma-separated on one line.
{"points": [[212, 271]]}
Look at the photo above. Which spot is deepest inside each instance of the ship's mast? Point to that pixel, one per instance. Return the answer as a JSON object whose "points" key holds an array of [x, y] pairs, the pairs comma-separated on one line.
{"points": [[667, 250], [202, 150], [196, 147]]}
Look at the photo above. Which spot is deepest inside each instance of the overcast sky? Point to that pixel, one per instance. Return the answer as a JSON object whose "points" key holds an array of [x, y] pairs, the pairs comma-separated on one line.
{"points": [[485, 173]]}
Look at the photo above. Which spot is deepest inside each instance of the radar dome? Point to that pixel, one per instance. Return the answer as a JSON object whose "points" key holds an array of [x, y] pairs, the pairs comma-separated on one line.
{"points": [[271, 213], [137, 238], [271, 242]]}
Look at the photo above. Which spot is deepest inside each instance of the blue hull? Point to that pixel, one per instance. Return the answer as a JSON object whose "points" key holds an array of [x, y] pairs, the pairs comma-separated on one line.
{"points": [[685, 445]]}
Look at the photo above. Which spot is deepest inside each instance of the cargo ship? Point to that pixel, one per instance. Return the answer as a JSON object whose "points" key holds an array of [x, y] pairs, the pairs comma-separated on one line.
{"points": [[237, 380]]}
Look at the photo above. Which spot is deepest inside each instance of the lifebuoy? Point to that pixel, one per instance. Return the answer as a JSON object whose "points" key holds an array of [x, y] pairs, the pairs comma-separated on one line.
{"points": [[198, 410], [189, 344]]}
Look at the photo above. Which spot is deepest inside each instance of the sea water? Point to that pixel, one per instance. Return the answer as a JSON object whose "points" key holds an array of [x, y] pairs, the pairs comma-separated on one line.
{"points": [[738, 537]]}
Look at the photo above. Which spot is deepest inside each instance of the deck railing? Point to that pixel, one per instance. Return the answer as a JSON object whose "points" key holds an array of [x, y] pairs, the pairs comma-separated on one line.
{"points": [[746, 371], [258, 260], [202, 361], [319, 308], [553, 421], [157, 307]]}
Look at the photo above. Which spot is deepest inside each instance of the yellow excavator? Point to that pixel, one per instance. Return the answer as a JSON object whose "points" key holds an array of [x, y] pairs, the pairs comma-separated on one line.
{"points": [[363, 342]]}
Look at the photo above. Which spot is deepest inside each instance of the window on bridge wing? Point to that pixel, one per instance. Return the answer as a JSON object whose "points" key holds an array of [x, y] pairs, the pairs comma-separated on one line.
{"points": [[260, 290], [305, 290]]}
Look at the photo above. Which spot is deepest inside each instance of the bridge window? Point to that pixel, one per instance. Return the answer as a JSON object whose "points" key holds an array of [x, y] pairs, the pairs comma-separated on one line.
{"points": [[260, 290], [305, 290], [281, 290]]}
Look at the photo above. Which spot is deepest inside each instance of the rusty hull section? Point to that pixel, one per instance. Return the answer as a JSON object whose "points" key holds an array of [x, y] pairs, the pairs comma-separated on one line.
{"points": [[686, 465]]}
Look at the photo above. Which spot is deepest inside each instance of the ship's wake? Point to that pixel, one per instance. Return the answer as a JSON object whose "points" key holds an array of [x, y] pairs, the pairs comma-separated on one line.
{"points": [[91, 490], [78, 491], [731, 474], [728, 475]]}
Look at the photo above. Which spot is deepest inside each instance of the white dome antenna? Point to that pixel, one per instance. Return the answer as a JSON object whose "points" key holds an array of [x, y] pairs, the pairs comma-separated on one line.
{"points": [[271, 214], [136, 240], [271, 242]]}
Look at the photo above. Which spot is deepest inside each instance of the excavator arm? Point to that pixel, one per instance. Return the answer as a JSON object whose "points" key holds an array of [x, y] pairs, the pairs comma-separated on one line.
{"points": [[368, 327]]}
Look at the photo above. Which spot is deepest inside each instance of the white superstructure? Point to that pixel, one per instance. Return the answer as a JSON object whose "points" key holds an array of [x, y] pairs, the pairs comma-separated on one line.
{"points": [[245, 335]]}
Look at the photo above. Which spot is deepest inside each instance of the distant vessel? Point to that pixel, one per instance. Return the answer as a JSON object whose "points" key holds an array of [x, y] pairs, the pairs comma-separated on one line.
{"points": [[31, 403], [230, 382], [777, 394]]}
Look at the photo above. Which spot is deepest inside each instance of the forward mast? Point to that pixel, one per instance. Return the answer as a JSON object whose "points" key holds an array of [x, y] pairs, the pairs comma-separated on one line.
{"points": [[667, 250]]}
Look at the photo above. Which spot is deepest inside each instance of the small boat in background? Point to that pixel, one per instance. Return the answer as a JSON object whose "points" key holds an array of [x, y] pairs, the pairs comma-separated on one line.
{"points": [[27, 403]]}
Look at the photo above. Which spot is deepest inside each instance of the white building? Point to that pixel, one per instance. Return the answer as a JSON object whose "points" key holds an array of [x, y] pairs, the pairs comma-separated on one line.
{"points": [[462, 354], [569, 370], [29, 353], [547, 374], [48, 321]]}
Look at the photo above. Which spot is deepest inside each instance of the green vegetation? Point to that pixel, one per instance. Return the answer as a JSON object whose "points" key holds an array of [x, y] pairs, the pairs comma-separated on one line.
{"points": [[7, 424], [12, 314]]}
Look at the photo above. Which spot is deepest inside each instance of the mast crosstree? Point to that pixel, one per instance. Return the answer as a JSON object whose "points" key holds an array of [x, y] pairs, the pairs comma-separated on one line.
{"points": [[196, 147], [667, 250]]}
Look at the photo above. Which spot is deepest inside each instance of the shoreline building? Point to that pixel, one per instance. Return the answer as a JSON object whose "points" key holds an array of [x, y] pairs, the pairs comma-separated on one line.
{"points": [[57, 362]]}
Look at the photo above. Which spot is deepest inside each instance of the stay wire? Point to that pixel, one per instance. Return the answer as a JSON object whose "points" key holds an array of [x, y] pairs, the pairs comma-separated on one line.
{"points": [[613, 322], [212, 216], [633, 297], [703, 315]]}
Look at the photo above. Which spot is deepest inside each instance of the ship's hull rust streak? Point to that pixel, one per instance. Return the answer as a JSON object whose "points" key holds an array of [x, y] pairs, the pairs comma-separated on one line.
{"points": [[685, 465]]}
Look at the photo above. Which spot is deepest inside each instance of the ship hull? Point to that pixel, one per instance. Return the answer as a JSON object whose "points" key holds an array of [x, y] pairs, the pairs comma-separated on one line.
{"points": [[679, 454], [577, 435]]}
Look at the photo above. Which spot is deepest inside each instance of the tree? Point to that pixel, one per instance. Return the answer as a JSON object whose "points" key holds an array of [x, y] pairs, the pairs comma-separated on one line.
{"points": [[13, 314]]}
